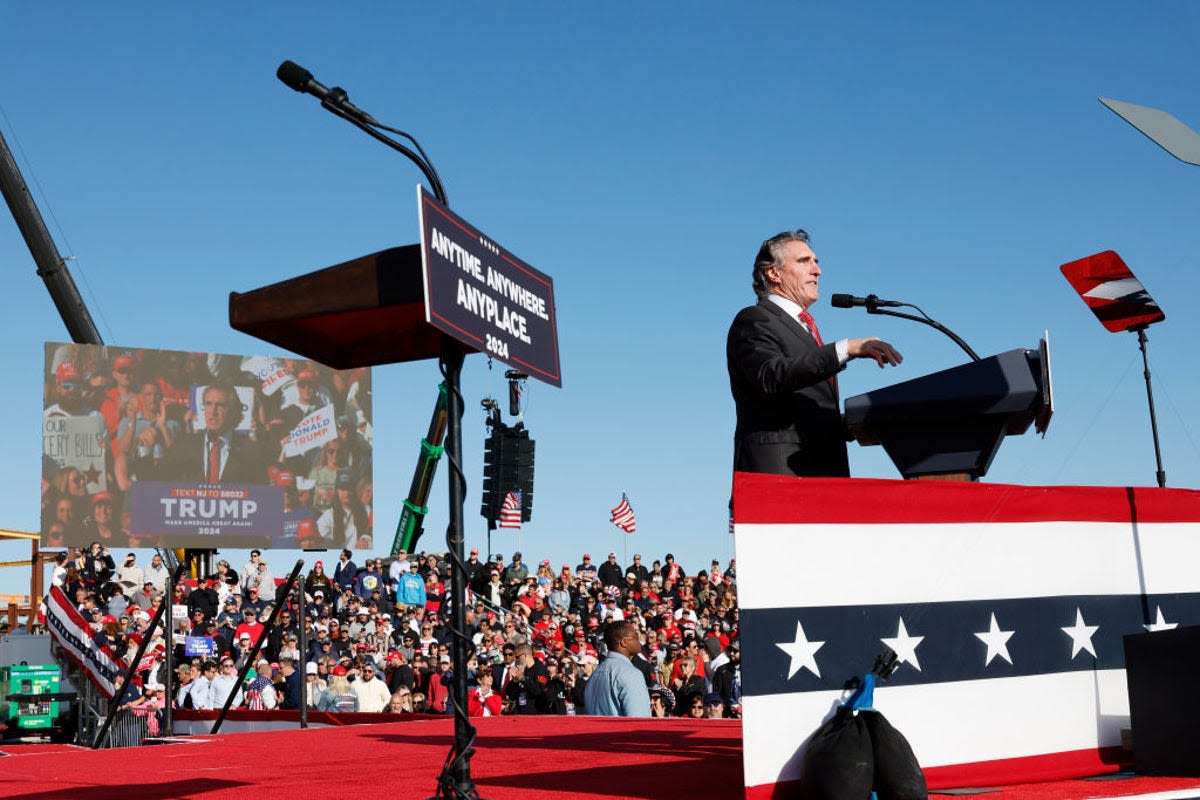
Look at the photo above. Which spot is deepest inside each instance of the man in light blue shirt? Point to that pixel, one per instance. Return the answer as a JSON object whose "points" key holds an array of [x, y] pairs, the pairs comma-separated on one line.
{"points": [[618, 688]]}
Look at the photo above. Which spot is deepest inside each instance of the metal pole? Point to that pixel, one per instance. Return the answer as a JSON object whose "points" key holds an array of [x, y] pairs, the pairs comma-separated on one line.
{"points": [[302, 610], [1161, 475], [455, 780], [169, 661], [51, 266], [262, 637]]}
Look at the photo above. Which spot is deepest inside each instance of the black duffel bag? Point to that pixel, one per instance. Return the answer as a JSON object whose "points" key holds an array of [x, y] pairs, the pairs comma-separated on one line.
{"points": [[839, 761], [898, 776]]}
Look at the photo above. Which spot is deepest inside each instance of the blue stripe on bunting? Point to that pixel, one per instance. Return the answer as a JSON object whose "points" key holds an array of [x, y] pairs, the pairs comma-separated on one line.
{"points": [[950, 650]]}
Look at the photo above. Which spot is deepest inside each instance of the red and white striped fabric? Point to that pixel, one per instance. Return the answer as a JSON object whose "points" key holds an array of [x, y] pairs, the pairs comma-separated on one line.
{"points": [[510, 510], [1007, 606], [72, 633], [622, 515]]}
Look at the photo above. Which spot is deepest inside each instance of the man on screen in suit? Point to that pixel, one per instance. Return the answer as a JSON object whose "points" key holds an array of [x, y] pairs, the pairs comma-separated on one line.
{"points": [[781, 373], [217, 454]]}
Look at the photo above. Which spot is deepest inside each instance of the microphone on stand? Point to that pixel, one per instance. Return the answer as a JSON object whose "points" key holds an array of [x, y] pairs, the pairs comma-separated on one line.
{"points": [[870, 301], [297, 77], [335, 101]]}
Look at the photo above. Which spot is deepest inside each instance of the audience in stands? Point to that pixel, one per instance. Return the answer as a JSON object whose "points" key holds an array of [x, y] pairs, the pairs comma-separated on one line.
{"points": [[534, 638]]}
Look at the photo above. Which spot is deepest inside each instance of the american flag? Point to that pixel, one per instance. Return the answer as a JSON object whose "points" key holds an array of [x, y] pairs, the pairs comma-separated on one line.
{"points": [[510, 510], [1007, 607], [622, 515]]}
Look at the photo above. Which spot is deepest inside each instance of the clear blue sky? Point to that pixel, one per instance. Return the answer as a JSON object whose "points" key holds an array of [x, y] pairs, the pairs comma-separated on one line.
{"points": [[952, 155]]}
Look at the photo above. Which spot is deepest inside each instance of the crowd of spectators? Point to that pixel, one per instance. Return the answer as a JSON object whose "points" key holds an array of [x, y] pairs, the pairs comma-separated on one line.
{"points": [[377, 636]]}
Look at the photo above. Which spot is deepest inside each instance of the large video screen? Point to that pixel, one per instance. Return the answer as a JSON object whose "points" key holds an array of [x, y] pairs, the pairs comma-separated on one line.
{"points": [[154, 448]]}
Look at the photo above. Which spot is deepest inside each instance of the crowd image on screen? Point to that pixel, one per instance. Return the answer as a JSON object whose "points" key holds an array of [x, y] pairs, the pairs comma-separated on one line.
{"points": [[203, 418], [375, 636]]}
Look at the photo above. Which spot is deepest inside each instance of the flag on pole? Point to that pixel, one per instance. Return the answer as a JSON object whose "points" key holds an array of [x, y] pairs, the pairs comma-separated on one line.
{"points": [[510, 510], [622, 515]]}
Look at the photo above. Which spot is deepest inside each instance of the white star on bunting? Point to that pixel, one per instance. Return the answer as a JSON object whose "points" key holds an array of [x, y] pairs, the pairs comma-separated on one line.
{"points": [[1159, 623], [802, 652], [1081, 635], [905, 646], [996, 641]]}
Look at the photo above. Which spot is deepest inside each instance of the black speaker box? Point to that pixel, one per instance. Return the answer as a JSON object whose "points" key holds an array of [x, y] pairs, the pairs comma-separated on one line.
{"points": [[1163, 672]]}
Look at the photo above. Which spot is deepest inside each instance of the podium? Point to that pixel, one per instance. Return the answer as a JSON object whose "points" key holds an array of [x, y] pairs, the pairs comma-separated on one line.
{"points": [[364, 312], [950, 424]]}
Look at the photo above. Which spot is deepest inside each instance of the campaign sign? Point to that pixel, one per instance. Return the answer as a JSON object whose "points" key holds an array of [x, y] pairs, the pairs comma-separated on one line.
{"points": [[202, 646], [270, 371], [77, 442], [311, 432], [194, 515], [486, 297]]}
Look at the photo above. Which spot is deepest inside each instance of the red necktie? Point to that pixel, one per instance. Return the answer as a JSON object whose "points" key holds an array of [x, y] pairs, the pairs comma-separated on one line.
{"points": [[811, 324], [214, 461]]}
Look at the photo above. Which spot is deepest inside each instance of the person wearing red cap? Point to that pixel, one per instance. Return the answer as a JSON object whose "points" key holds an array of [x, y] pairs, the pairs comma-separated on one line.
{"points": [[586, 569], [250, 626], [399, 674], [475, 572], [68, 395], [122, 392], [318, 580], [339, 695]]}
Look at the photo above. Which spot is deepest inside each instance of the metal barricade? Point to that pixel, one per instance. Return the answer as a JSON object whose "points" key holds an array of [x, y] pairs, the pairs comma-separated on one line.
{"points": [[127, 730]]}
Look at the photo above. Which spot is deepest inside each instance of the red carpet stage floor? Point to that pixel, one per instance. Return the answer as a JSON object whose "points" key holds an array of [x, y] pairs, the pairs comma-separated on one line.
{"points": [[528, 758]]}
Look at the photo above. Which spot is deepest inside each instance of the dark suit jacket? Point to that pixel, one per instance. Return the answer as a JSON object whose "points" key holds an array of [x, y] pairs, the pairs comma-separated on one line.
{"points": [[788, 418], [243, 465]]}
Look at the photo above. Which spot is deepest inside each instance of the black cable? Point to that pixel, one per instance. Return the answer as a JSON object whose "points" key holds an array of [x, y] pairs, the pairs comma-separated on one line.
{"points": [[421, 150], [435, 182], [925, 319]]}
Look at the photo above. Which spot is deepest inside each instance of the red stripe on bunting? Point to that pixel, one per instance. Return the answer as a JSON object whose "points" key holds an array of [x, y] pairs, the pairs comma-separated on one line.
{"points": [[772, 499]]}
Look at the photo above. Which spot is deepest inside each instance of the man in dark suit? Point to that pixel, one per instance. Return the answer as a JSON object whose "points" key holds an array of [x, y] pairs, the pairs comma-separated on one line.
{"points": [[781, 373], [216, 454]]}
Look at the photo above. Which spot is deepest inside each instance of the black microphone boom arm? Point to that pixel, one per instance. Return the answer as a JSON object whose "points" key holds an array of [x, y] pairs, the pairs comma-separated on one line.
{"points": [[337, 103], [931, 323]]}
